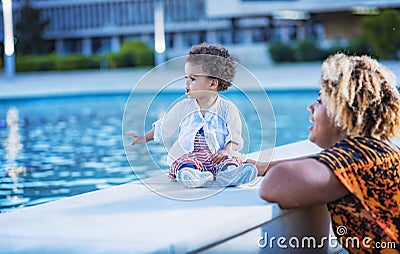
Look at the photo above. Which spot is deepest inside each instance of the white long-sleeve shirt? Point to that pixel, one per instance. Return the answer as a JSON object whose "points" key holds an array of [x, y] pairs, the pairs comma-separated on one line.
{"points": [[221, 124]]}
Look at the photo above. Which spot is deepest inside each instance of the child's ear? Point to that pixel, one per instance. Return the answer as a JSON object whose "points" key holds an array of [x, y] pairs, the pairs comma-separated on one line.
{"points": [[214, 83]]}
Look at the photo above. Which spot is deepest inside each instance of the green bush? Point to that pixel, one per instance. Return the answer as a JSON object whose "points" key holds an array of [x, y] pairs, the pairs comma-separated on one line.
{"points": [[281, 52], [110, 61], [134, 53], [307, 50], [35, 63], [76, 62], [333, 50], [53, 62], [356, 46], [359, 46], [304, 50]]}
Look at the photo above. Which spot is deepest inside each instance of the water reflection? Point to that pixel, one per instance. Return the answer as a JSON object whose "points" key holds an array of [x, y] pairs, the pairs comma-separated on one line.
{"points": [[58, 147], [13, 148]]}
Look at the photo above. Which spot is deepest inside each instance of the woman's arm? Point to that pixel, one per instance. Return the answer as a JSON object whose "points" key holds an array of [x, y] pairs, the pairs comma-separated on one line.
{"points": [[301, 182], [263, 166]]}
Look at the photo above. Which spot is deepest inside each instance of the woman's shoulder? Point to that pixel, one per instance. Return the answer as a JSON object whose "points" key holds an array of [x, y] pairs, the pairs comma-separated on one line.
{"points": [[357, 150], [363, 143]]}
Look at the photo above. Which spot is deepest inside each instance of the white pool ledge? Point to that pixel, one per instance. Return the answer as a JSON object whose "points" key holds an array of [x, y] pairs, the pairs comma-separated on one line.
{"points": [[130, 218]]}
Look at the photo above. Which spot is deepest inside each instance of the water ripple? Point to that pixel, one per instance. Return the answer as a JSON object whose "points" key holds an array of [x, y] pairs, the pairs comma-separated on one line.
{"points": [[71, 145]]}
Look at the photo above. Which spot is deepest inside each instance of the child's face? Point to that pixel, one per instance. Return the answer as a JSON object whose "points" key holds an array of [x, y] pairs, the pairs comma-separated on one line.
{"points": [[198, 84]]}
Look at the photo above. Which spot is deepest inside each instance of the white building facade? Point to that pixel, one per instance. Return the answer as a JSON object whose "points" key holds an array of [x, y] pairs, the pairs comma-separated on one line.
{"points": [[99, 26]]}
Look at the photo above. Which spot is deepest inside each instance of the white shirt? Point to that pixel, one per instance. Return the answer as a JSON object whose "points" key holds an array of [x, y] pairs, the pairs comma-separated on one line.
{"points": [[221, 124]]}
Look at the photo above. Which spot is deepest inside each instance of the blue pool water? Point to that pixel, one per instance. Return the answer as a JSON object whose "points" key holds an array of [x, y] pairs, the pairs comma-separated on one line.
{"points": [[57, 147]]}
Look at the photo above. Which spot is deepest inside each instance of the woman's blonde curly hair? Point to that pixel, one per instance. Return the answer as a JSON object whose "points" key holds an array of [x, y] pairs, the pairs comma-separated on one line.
{"points": [[361, 96], [216, 61]]}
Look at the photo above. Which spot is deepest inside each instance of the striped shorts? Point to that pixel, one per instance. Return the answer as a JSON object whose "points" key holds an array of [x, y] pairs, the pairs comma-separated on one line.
{"points": [[200, 159]]}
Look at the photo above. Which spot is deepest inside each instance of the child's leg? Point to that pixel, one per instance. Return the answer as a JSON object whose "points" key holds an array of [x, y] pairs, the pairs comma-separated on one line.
{"points": [[192, 178], [188, 171], [229, 163], [187, 160], [233, 171]]}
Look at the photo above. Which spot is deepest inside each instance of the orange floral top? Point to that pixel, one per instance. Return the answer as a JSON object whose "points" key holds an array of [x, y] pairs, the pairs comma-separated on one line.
{"points": [[370, 170]]}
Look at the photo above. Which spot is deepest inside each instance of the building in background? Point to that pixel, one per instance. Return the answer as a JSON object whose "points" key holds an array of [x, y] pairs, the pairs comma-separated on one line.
{"points": [[99, 26]]}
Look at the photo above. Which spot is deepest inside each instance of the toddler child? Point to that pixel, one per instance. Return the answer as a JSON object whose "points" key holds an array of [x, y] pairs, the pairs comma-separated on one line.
{"points": [[209, 127]]}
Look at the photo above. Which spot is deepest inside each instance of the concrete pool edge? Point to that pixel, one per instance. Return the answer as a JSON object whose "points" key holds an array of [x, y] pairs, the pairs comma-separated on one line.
{"points": [[132, 218]]}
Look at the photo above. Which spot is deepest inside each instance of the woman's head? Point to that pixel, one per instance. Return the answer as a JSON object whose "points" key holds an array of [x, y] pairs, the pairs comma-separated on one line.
{"points": [[360, 96], [215, 61]]}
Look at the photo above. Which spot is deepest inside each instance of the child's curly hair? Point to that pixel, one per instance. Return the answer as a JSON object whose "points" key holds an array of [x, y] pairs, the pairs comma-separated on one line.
{"points": [[216, 61], [361, 96]]}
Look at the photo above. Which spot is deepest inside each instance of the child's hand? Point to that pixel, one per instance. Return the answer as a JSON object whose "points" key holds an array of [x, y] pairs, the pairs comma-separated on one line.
{"points": [[138, 139], [219, 156]]}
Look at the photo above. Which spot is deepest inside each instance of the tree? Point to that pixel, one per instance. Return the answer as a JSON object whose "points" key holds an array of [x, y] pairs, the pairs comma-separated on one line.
{"points": [[29, 31], [382, 32]]}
